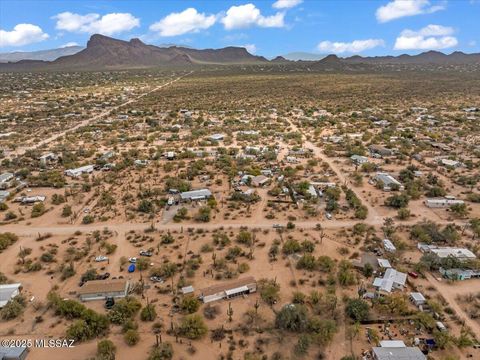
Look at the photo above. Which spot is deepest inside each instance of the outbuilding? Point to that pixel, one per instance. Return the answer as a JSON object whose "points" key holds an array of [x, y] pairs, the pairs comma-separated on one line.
{"points": [[229, 290]]}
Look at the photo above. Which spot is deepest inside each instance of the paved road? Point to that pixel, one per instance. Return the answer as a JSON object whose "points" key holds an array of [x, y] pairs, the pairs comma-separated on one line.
{"points": [[20, 151]]}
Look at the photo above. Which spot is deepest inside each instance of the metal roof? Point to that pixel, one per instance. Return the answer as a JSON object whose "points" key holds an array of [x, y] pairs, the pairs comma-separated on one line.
{"points": [[398, 353], [196, 194]]}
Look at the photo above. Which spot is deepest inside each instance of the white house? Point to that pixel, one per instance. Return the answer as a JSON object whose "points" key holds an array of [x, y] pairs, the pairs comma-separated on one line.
{"points": [[442, 202], [392, 279], [87, 169], [8, 292]]}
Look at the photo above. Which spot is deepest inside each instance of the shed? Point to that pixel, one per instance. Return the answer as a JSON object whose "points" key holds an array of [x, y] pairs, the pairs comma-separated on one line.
{"points": [[417, 298]]}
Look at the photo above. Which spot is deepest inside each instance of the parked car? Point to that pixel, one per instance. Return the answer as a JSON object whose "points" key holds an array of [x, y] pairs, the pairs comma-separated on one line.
{"points": [[277, 226], [145, 253], [109, 302], [413, 274], [101, 258], [156, 279], [104, 276], [131, 268], [133, 260], [328, 216]]}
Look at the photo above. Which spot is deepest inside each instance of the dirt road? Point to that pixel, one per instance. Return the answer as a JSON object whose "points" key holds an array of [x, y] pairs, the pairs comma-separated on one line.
{"points": [[21, 150], [373, 217], [450, 292]]}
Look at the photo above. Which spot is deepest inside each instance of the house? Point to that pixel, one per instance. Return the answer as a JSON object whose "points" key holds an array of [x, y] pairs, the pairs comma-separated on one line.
{"points": [[418, 299], [195, 195], [229, 290], [397, 353], [442, 202], [46, 158], [392, 279], [30, 199], [446, 251], [13, 353], [8, 292], [5, 180], [388, 246], [450, 163], [216, 137], [101, 289], [358, 159], [107, 155], [4, 195], [87, 169], [459, 274], [260, 180], [380, 150], [140, 162], [388, 181]]}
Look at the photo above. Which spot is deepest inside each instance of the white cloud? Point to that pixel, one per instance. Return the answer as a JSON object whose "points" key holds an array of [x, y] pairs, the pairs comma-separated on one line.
{"points": [[108, 24], [244, 16], [22, 34], [286, 4], [71, 43], [356, 46], [400, 8], [431, 37], [251, 48], [183, 22]]}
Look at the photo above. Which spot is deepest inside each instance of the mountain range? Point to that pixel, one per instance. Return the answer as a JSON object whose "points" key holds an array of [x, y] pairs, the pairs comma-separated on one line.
{"points": [[105, 53], [45, 55]]}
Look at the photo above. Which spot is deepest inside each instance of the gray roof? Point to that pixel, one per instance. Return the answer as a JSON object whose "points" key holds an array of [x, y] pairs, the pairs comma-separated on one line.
{"points": [[12, 352], [5, 177], [195, 194], [398, 353]]}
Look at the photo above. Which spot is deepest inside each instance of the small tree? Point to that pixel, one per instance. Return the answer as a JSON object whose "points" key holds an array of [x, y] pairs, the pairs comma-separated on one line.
{"points": [[148, 313], [190, 304], [106, 350], [192, 327], [357, 309], [131, 337], [163, 352]]}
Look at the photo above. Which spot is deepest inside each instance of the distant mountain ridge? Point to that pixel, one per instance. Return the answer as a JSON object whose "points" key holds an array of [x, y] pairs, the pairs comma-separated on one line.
{"points": [[106, 53], [45, 55], [103, 52]]}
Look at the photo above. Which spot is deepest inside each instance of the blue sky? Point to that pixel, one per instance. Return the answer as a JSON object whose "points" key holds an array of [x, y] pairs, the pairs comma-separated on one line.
{"points": [[264, 27]]}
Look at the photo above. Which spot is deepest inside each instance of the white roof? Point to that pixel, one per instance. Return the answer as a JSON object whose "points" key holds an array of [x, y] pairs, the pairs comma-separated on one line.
{"points": [[7, 292], [384, 263], [392, 343], [396, 353], [443, 252], [417, 296], [188, 289], [388, 245], [390, 278], [196, 194], [236, 290]]}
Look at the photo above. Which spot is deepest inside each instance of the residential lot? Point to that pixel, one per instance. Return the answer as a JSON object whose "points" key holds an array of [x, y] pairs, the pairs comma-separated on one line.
{"points": [[310, 206]]}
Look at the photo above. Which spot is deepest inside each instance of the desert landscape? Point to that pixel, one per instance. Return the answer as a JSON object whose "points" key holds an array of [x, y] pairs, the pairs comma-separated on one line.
{"points": [[174, 203]]}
